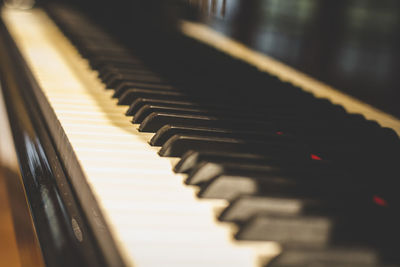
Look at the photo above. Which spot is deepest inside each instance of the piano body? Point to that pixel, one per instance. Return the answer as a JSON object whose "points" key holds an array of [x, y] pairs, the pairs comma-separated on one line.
{"points": [[202, 133]]}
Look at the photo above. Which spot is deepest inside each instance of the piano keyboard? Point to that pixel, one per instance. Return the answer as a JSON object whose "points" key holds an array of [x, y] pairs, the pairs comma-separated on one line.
{"points": [[240, 206], [147, 207]]}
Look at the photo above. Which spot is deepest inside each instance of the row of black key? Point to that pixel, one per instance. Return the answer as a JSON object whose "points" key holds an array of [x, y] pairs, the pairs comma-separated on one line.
{"points": [[296, 170]]}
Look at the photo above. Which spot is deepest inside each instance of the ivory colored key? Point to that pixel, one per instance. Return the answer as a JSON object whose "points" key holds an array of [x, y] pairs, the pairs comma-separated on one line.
{"points": [[155, 219]]}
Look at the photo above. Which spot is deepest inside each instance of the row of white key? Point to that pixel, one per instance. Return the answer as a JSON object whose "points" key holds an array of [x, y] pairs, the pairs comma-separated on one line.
{"points": [[155, 219]]}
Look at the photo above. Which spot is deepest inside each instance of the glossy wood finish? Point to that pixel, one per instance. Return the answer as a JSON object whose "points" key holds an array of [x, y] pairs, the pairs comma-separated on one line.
{"points": [[8, 244], [19, 245]]}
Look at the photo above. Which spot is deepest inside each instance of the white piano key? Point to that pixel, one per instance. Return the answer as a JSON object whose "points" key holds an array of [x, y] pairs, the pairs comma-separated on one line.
{"points": [[155, 219]]}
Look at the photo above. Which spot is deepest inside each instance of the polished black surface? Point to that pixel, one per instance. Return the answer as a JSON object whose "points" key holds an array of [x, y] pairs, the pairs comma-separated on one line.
{"points": [[64, 237], [351, 45]]}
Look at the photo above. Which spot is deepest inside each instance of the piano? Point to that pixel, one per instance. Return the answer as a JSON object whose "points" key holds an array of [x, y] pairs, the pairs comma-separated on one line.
{"points": [[201, 133]]}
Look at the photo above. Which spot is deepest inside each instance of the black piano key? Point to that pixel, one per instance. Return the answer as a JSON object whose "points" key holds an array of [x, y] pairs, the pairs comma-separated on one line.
{"points": [[118, 79], [140, 102], [200, 123], [89, 43], [297, 126], [206, 170], [114, 58], [110, 74], [322, 231], [130, 95], [310, 231], [106, 66], [146, 110], [130, 74], [212, 105], [177, 145], [123, 87], [94, 52], [328, 257], [192, 158], [155, 121], [110, 70], [130, 69], [230, 185], [167, 131], [100, 61], [220, 112], [247, 206]]}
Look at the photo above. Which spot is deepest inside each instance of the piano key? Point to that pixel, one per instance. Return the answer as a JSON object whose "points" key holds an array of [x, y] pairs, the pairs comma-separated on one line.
{"points": [[112, 64], [101, 61], [117, 80], [231, 185], [93, 52], [192, 158], [312, 231], [245, 207], [119, 90], [155, 121], [206, 171], [109, 74], [332, 257], [146, 110], [132, 94], [138, 103], [221, 112], [166, 132], [117, 68], [106, 172], [114, 186], [178, 145], [139, 68], [327, 230]]}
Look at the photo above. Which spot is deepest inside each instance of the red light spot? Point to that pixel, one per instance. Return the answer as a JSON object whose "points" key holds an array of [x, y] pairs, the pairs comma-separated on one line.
{"points": [[379, 201], [315, 157], [279, 133]]}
